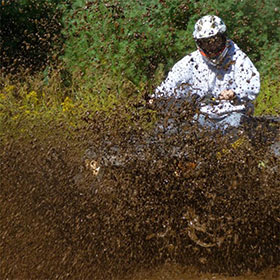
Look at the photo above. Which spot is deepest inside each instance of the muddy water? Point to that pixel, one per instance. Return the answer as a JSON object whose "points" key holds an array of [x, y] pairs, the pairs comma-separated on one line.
{"points": [[211, 215], [175, 272]]}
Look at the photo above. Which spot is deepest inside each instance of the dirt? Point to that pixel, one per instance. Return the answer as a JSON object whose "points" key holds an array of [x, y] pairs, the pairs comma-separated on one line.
{"points": [[211, 215], [175, 272]]}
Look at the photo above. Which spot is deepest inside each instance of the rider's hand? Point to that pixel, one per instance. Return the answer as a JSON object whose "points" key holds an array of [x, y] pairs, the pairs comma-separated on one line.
{"points": [[227, 94]]}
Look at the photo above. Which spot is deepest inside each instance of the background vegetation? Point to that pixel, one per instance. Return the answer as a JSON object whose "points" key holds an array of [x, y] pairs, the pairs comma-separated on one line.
{"points": [[134, 38], [30, 33], [118, 48]]}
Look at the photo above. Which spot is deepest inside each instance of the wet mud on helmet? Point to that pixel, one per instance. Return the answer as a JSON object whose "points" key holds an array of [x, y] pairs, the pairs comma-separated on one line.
{"points": [[210, 37]]}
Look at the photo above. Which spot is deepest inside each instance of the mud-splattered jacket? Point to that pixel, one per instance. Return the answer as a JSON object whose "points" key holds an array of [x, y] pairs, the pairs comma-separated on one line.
{"points": [[195, 75]]}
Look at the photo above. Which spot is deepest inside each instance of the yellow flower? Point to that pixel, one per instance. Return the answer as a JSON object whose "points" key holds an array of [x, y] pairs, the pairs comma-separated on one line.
{"points": [[8, 89], [67, 105], [15, 117], [239, 142], [32, 97]]}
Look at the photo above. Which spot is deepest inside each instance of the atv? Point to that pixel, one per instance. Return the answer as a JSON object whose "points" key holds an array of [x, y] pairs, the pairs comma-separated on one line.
{"points": [[176, 122]]}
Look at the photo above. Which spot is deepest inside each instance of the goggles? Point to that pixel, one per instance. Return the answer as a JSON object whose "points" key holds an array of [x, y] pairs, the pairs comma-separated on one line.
{"points": [[212, 46]]}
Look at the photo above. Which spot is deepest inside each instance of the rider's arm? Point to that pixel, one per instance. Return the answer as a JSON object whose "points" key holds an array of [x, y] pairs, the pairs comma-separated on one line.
{"points": [[176, 83], [247, 79]]}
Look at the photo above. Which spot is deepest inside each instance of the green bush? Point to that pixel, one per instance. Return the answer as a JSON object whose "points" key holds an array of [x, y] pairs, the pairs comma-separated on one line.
{"points": [[268, 102], [31, 103], [132, 38], [29, 31], [127, 38], [110, 42]]}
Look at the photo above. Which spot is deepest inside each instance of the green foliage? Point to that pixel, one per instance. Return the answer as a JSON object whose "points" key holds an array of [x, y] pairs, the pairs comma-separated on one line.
{"points": [[127, 38], [28, 32], [268, 102], [131, 39], [29, 104], [122, 49]]}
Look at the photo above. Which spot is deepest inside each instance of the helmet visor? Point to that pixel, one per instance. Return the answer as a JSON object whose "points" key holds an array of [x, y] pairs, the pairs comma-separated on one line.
{"points": [[212, 46]]}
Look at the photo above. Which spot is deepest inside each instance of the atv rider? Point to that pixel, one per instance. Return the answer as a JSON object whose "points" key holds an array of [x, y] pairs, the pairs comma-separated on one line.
{"points": [[217, 69]]}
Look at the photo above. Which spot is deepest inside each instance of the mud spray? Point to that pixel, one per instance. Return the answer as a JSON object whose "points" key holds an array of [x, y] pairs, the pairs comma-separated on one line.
{"points": [[188, 205]]}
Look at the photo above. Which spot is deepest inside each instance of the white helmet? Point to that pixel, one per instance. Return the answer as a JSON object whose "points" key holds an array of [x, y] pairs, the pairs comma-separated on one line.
{"points": [[208, 26], [210, 37]]}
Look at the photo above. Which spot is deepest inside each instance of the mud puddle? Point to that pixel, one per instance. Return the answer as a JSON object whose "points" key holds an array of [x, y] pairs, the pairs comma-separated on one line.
{"points": [[175, 272], [214, 213]]}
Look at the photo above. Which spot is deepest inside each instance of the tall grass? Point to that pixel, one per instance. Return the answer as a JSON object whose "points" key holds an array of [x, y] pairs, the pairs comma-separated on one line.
{"points": [[32, 102], [24, 104], [268, 101]]}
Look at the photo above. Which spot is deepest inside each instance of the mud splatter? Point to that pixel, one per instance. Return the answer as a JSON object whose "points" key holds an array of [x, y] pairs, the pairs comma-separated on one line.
{"points": [[59, 220]]}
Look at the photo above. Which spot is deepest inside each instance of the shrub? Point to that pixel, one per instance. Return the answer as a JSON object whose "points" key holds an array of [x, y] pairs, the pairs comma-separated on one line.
{"points": [[28, 32], [268, 102], [29, 104], [133, 38], [127, 38]]}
